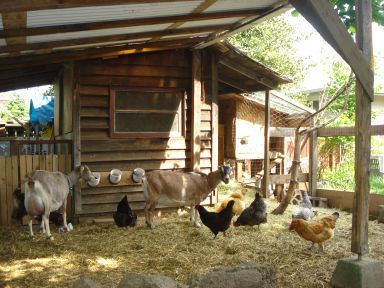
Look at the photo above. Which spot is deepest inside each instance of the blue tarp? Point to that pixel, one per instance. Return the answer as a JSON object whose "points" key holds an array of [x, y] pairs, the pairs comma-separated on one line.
{"points": [[41, 110]]}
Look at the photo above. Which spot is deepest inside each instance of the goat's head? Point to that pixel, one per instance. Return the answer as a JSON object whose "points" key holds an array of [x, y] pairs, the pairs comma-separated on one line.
{"points": [[19, 207], [225, 172], [85, 173]]}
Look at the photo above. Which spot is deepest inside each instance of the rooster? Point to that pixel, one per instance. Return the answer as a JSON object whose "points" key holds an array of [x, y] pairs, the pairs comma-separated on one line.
{"points": [[317, 231], [124, 216], [255, 214], [239, 205], [217, 222]]}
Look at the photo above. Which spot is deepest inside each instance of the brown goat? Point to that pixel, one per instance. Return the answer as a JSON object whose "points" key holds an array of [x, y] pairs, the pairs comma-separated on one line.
{"points": [[189, 188], [46, 192]]}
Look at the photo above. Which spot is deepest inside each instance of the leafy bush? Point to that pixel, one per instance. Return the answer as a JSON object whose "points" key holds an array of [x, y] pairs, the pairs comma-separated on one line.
{"points": [[343, 179]]}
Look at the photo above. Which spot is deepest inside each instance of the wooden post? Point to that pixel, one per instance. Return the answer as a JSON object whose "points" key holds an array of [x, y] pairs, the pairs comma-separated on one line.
{"points": [[363, 135], [215, 113], [76, 147], [196, 103], [313, 163], [265, 187]]}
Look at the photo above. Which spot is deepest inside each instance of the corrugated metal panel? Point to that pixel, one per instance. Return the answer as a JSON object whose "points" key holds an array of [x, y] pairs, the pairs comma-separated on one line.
{"points": [[2, 42], [99, 44], [211, 22], [96, 33], [186, 35], [106, 13], [228, 5]]}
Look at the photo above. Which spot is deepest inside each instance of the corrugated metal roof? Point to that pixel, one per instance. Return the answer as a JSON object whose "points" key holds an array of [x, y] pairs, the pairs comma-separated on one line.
{"points": [[106, 13], [280, 103], [225, 5], [96, 33], [202, 23]]}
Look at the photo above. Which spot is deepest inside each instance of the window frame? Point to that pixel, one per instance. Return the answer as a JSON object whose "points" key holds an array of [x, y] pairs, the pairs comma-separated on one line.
{"points": [[180, 93]]}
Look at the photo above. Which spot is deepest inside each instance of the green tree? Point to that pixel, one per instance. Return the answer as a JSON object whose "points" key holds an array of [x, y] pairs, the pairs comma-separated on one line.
{"points": [[16, 107], [272, 43], [49, 92]]}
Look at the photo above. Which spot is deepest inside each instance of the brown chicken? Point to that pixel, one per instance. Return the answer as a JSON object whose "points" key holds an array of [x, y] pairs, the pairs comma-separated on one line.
{"points": [[317, 231], [239, 205]]}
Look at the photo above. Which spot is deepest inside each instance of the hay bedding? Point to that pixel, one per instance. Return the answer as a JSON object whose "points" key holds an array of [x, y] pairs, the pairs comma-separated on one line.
{"points": [[174, 248]]}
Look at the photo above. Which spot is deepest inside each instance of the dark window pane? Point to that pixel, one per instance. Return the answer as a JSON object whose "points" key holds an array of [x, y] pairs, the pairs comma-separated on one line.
{"points": [[139, 100], [146, 122]]}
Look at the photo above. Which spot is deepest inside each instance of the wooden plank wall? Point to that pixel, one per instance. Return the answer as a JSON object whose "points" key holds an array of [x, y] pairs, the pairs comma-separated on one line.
{"points": [[10, 167], [167, 69]]}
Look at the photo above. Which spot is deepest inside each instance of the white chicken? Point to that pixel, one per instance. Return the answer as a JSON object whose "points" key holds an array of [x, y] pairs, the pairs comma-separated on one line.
{"points": [[304, 211]]}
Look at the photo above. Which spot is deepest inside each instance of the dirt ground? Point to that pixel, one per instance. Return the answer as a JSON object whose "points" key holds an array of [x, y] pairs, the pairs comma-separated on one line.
{"points": [[176, 249]]}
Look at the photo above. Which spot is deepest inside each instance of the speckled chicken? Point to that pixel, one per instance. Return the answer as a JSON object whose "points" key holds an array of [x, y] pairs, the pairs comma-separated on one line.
{"points": [[255, 214], [304, 211], [124, 216]]}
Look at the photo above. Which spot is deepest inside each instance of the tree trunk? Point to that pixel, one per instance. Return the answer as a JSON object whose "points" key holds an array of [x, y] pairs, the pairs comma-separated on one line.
{"points": [[293, 184]]}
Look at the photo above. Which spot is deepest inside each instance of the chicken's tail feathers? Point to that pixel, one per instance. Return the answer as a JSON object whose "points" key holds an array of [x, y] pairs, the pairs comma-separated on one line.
{"points": [[220, 207], [237, 195]]}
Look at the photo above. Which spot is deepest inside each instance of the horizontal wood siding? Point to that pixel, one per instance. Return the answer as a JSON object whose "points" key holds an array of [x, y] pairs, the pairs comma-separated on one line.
{"points": [[169, 69]]}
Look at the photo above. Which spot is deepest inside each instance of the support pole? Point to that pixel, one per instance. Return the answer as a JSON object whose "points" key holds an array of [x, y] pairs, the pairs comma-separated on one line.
{"points": [[313, 163], [363, 135], [267, 111], [196, 100]]}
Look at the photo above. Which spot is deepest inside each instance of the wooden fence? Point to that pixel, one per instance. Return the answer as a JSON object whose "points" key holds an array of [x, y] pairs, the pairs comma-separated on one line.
{"points": [[13, 170]]}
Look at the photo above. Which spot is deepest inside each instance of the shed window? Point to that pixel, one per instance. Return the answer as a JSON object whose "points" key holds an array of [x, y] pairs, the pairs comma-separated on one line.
{"points": [[146, 113]]}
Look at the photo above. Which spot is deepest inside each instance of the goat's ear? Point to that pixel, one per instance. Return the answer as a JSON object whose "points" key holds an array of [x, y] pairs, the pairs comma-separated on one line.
{"points": [[81, 169]]}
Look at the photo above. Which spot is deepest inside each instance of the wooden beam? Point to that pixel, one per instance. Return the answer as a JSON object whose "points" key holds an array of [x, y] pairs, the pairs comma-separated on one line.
{"points": [[14, 21], [196, 104], [267, 114], [109, 38], [215, 112], [281, 132], [279, 8], [22, 5], [313, 163], [363, 135], [248, 72], [76, 152], [323, 17], [64, 56], [348, 131], [33, 31]]}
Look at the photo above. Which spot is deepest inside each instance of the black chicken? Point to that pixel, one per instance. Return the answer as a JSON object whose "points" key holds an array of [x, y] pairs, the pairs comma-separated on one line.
{"points": [[255, 214], [124, 216], [217, 222]]}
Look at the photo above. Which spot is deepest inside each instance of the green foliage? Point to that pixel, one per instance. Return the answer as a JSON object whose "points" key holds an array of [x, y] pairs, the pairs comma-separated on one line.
{"points": [[16, 107], [49, 92], [346, 10], [272, 44], [343, 179]]}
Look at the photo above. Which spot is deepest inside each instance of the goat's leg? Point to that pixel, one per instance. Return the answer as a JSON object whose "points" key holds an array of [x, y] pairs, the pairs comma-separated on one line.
{"points": [[152, 207], [42, 226], [30, 227], [197, 217], [192, 213], [64, 213], [47, 230], [146, 213]]}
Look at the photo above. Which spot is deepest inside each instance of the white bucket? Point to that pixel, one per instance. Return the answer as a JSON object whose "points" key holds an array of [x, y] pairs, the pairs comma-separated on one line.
{"points": [[115, 176], [95, 181]]}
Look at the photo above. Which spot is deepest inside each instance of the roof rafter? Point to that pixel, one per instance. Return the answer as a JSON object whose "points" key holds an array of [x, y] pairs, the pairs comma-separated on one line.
{"points": [[63, 56], [31, 5], [33, 31], [112, 38]]}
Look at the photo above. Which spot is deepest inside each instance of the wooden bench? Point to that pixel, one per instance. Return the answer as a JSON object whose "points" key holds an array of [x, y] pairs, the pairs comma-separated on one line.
{"points": [[319, 202]]}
